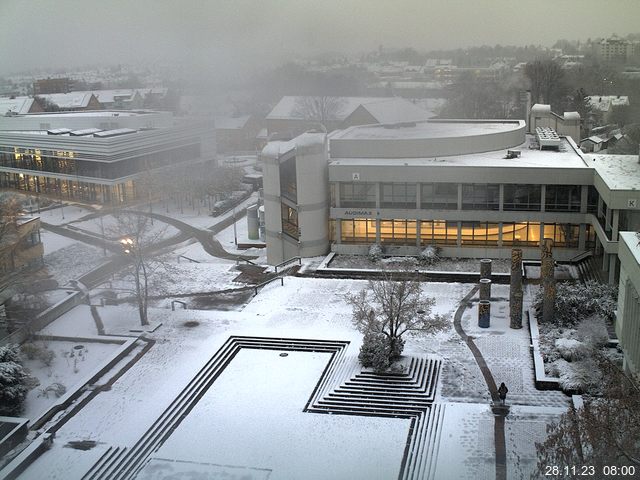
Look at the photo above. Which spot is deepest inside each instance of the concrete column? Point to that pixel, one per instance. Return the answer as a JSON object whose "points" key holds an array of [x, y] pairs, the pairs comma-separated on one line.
{"points": [[338, 229], [418, 196], [459, 197], [484, 314], [613, 260], [501, 198], [547, 276], [584, 195], [378, 231], [607, 220], [543, 196], [582, 238], [485, 289], [605, 262], [418, 229], [515, 290], [500, 234], [615, 221], [336, 186], [378, 188], [485, 268], [600, 206]]}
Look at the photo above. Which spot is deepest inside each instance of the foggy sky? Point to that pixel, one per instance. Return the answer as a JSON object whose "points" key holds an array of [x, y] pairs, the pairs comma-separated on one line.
{"points": [[219, 34]]}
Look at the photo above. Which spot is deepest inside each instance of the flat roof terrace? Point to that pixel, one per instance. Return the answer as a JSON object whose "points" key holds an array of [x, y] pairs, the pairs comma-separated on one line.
{"points": [[531, 166]]}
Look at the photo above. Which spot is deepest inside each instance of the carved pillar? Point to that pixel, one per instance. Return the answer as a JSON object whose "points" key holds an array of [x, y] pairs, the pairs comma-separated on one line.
{"points": [[547, 277], [484, 314], [515, 290], [485, 289]]}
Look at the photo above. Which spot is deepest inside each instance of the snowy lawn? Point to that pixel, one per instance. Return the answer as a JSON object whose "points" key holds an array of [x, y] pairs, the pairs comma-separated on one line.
{"points": [[73, 261], [62, 215], [72, 362], [53, 242], [109, 226], [253, 417]]}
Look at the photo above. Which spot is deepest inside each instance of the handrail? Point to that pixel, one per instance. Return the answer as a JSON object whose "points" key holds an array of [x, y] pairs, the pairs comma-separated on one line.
{"points": [[581, 256], [187, 258], [256, 287], [244, 259], [292, 259]]}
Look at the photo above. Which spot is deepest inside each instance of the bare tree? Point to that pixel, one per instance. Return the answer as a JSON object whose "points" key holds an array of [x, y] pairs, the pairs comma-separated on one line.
{"points": [[546, 81], [137, 237], [321, 109], [390, 308], [602, 433]]}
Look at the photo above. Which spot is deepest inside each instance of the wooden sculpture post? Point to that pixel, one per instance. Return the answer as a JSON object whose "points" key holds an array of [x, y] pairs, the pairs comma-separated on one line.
{"points": [[515, 290]]}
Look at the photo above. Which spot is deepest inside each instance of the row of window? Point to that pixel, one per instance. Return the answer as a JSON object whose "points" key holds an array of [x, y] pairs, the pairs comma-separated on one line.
{"points": [[440, 232], [475, 196]]}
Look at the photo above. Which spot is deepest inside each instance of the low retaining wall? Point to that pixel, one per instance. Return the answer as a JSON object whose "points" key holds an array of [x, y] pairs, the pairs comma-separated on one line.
{"points": [[542, 381]]}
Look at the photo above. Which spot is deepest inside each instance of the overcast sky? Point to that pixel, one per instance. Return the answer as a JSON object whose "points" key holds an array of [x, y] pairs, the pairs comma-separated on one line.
{"points": [[220, 33]]}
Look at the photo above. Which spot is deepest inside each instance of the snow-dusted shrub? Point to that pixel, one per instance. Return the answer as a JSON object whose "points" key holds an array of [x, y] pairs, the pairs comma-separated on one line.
{"points": [[57, 389], [375, 352], [593, 332], [430, 255], [41, 352], [571, 349], [13, 378], [575, 301], [375, 252], [30, 350], [578, 376]]}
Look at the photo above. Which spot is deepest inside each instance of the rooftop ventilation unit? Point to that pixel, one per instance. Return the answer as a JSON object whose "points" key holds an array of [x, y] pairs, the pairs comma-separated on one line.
{"points": [[114, 133], [84, 132], [547, 138], [58, 131]]}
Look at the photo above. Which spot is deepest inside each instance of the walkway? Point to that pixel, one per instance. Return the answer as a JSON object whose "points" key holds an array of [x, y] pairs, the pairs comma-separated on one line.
{"points": [[502, 353]]}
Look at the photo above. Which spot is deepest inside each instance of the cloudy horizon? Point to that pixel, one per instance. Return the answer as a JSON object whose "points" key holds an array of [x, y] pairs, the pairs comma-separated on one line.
{"points": [[222, 34]]}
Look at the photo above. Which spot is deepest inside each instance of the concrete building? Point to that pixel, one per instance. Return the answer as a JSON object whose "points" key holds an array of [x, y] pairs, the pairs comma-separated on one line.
{"points": [[20, 246], [294, 115], [628, 314], [473, 188], [73, 102], [98, 156], [19, 105]]}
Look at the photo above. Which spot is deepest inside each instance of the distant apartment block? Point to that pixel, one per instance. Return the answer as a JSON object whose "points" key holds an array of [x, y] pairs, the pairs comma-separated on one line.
{"points": [[52, 85]]}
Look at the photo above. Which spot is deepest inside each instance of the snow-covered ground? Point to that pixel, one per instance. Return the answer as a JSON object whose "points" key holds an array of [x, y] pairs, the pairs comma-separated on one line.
{"points": [[72, 363], [72, 261], [253, 417], [253, 412]]}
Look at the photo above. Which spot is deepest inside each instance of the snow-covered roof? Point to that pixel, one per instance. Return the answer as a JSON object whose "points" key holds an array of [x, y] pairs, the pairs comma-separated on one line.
{"points": [[69, 100], [594, 139], [565, 157], [110, 96], [396, 110], [619, 172], [604, 103], [17, 105], [292, 107]]}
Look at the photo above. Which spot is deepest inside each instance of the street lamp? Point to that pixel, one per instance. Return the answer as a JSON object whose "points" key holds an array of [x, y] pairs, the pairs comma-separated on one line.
{"points": [[127, 245]]}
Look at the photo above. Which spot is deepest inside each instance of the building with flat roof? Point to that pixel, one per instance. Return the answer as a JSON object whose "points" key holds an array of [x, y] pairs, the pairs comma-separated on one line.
{"points": [[98, 156], [473, 188], [628, 313]]}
